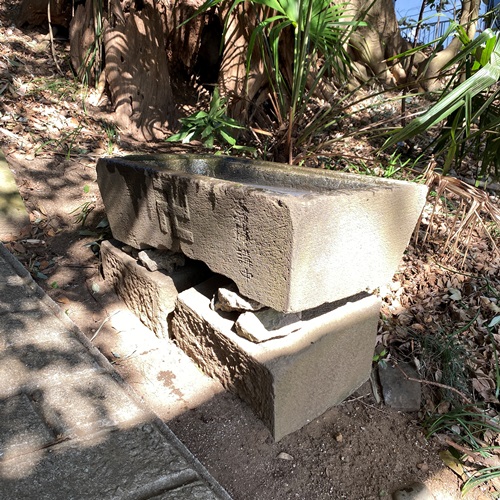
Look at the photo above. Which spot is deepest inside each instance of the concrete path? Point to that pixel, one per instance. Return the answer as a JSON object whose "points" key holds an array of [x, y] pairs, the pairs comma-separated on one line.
{"points": [[70, 428]]}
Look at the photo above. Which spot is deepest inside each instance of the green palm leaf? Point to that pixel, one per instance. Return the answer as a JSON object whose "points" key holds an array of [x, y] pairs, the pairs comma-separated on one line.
{"points": [[460, 97]]}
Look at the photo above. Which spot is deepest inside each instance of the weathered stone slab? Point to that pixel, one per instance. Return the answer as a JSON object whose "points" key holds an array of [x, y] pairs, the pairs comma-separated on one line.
{"points": [[34, 327], [150, 295], [287, 381], [82, 406], [69, 426], [130, 464], [291, 238], [35, 367], [22, 429]]}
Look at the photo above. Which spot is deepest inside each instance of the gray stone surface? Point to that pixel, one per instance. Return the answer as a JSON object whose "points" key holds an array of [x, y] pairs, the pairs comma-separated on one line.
{"points": [[288, 381], [113, 465], [161, 260], [70, 428], [37, 326], [79, 406], [399, 392], [149, 295], [251, 221], [22, 429]]}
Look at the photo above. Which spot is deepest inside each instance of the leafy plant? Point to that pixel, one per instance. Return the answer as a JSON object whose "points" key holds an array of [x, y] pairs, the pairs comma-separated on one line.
{"points": [[493, 323], [394, 167], [380, 358], [468, 109], [111, 135], [468, 429], [81, 212], [320, 32], [447, 355], [91, 67], [212, 126], [55, 88], [102, 232]]}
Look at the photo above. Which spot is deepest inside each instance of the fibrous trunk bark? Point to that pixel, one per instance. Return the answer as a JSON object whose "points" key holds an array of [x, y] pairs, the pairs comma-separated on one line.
{"points": [[371, 45], [137, 71], [35, 12], [82, 36], [241, 88], [430, 70]]}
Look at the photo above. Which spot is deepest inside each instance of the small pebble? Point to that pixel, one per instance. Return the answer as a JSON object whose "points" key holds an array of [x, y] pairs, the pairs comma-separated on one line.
{"points": [[423, 467]]}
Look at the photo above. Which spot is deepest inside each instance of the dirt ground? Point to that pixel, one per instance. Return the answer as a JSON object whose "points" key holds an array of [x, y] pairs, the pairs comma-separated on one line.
{"points": [[357, 450]]}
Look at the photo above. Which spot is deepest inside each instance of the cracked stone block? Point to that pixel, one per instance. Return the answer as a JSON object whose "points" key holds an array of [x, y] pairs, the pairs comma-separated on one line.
{"points": [[287, 381], [150, 295], [290, 238]]}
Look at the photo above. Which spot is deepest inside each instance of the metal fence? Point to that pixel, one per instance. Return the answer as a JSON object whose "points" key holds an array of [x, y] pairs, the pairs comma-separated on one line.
{"points": [[435, 24]]}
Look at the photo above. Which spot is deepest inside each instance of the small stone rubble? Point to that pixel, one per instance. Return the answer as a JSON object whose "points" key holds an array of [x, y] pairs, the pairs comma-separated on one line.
{"points": [[229, 299], [161, 260], [267, 324]]}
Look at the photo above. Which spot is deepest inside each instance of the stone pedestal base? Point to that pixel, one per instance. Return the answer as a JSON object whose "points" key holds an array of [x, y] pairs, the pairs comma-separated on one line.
{"points": [[288, 381], [149, 295]]}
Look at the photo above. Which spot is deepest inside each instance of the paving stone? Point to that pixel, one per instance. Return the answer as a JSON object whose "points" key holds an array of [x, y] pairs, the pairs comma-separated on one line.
{"points": [[13, 214], [84, 405], [16, 297], [110, 465], [35, 327], [69, 427], [194, 491], [251, 221], [32, 368], [287, 381], [22, 429]]}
